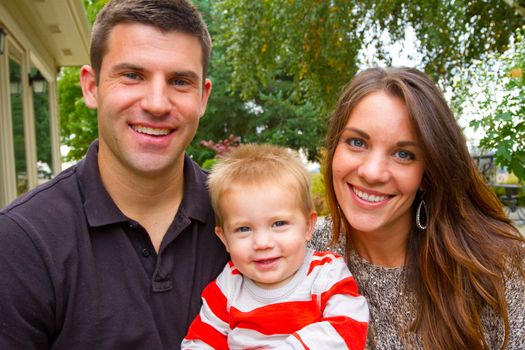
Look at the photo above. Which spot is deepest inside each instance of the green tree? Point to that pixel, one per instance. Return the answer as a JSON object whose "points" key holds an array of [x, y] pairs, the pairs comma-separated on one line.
{"points": [[277, 66], [226, 113], [277, 113], [78, 124], [491, 94], [319, 43]]}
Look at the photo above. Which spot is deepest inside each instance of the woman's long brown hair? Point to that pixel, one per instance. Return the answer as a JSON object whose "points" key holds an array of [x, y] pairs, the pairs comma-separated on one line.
{"points": [[459, 263]]}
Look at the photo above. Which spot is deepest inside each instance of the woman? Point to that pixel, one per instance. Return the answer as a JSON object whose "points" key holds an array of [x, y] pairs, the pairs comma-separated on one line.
{"points": [[426, 239]]}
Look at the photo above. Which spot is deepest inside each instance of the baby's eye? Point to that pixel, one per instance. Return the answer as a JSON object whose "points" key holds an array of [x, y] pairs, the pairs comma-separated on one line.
{"points": [[405, 155], [354, 142], [243, 229], [279, 223]]}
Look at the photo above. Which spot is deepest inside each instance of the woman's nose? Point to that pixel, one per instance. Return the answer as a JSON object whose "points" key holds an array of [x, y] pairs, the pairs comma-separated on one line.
{"points": [[374, 168]]}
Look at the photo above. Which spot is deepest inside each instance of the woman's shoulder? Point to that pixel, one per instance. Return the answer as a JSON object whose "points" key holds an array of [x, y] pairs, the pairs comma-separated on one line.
{"points": [[515, 299], [515, 291], [322, 237]]}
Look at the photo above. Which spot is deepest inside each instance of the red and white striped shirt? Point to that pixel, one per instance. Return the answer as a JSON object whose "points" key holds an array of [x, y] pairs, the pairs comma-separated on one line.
{"points": [[319, 308]]}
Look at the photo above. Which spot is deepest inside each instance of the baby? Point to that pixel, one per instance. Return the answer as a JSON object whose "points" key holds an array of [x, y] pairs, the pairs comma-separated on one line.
{"points": [[275, 293]]}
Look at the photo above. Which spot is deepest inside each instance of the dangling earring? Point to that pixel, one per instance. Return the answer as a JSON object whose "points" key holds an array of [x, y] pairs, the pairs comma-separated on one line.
{"points": [[418, 215]]}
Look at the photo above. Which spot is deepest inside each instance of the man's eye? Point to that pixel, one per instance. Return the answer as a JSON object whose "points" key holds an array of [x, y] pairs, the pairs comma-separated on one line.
{"points": [[132, 75], [179, 82]]}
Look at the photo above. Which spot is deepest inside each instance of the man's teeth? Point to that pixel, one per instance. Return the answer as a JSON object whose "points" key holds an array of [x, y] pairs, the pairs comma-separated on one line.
{"points": [[369, 197], [151, 131]]}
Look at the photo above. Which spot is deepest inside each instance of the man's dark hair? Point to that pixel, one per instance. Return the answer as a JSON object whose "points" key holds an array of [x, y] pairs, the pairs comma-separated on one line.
{"points": [[166, 15]]}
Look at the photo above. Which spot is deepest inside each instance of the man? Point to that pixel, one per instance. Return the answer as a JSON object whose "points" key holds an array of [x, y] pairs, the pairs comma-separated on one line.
{"points": [[114, 252]]}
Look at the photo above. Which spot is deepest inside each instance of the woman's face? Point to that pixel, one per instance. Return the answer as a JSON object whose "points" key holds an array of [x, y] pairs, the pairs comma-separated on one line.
{"points": [[378, 167]]}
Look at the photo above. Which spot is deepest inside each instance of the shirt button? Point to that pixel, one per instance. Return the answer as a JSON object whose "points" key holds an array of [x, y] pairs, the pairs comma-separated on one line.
{"points": [[146, 252]]}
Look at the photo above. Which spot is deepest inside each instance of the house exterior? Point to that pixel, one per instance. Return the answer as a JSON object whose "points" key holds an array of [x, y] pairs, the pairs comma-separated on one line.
{"points": [[37, 37]]}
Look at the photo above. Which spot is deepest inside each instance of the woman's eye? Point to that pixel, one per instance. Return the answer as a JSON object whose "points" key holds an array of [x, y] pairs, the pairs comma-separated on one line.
{"points": [[405, 155], [358, 143]]}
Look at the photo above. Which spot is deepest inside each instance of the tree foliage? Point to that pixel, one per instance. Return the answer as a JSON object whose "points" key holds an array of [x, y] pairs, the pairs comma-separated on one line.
{"points": [[276, 113], [278, 66], [318, 43], [78, 124], [272, 116], [492, 92]]}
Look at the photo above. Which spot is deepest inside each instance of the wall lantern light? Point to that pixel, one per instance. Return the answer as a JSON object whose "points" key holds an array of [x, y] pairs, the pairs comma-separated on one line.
{"points": [[38, 82], [15, 87]]}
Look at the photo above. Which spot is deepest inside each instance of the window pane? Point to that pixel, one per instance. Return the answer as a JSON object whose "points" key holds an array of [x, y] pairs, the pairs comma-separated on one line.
{"points": [[42, 129], [17, 113]]}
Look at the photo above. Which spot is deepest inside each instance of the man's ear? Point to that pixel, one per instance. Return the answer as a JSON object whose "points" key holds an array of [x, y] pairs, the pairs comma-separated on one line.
{"points": [[220, 233], [88, 82], [206, 90], [310, 225]]}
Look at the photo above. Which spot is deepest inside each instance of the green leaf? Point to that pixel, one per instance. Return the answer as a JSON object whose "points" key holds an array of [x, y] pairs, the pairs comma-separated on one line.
{"points": [[504, 116]]}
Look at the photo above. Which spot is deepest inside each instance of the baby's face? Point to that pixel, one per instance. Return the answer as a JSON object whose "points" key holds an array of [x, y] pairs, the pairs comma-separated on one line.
{"points": [[265, 231]]}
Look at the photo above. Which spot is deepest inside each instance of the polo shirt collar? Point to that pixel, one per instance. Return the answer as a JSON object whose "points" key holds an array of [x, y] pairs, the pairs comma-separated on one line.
{"points": [[101, 210], [196, 200]]}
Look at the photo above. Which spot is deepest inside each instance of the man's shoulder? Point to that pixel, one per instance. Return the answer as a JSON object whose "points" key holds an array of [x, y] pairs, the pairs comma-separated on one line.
{"points": [[51, 200]]}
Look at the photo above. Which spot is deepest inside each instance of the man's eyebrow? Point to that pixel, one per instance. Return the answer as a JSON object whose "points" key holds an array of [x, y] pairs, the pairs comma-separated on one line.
{"points": [[124, 66], [189, 74], [186, 74]]}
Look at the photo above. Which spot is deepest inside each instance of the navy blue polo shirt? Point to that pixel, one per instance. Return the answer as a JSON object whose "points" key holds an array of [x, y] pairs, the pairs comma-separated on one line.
{"points": [[76, 273]]}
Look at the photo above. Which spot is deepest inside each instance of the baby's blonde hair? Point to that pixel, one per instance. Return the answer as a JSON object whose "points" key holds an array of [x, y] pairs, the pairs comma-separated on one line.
{"points": [[252, 164]]}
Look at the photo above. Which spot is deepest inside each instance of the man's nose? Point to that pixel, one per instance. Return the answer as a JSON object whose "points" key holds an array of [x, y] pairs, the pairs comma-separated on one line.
{"points": [[156, 100]]}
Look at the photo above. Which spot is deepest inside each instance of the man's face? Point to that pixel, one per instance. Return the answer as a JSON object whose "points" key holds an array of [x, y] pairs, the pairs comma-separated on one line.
{"points": [[149, 97]]}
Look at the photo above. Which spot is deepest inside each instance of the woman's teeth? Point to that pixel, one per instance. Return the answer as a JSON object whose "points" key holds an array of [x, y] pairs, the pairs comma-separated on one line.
{"points": [[368, 197]]}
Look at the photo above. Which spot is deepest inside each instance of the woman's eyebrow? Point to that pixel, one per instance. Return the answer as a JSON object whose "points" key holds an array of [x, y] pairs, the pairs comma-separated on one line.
{"points": [[407, 143], [358, 131]]}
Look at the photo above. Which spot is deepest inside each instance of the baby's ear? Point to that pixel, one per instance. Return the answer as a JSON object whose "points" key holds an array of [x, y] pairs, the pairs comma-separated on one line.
{"points": [[220, 233], [310, 226]]}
